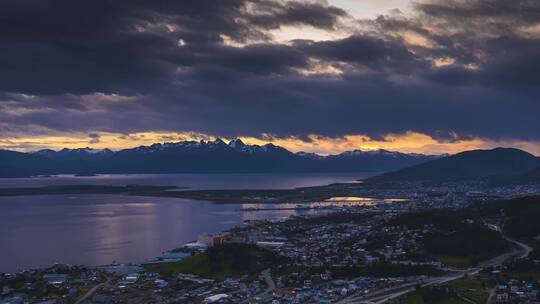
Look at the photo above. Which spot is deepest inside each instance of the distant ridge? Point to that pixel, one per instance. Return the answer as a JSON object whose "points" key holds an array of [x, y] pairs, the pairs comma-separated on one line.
{"points": [[75, 154], [498, 163], [199, 157]]}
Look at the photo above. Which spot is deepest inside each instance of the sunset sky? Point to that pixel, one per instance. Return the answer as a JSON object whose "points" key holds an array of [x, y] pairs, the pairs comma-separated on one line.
{"points": [[428, 76]]}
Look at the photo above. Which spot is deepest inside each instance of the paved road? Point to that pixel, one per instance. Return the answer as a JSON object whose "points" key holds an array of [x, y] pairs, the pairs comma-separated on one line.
{"points": [[525, 249], [89, 293], [269, 281], [382, 297]]}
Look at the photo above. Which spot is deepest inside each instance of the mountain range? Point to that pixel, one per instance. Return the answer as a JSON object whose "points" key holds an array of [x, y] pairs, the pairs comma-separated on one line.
{"points": [[499, 165], [199, 157]]}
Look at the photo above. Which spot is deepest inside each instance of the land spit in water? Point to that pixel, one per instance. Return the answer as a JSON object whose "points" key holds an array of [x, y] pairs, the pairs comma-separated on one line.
{"points": [[298, 195]]}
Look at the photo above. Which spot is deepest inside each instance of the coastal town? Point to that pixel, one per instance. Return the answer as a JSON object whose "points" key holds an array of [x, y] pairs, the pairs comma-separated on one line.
{"points": [[358, 251], [270, 152]]}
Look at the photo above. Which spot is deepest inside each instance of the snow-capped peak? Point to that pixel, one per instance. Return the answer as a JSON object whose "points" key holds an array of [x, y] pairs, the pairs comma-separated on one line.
{"points": [[75, 153], [217, 141], [309, 155], [369, 152], [237, 143], [353, 153]]}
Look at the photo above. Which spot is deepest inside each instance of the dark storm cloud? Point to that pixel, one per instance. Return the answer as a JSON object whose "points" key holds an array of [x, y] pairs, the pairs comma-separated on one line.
{"points": [[276, 14], [512, 63], [94, 138], [372, 105], [173, 65], [498, 13], [261, 59], [113, 46], [372, 52]]}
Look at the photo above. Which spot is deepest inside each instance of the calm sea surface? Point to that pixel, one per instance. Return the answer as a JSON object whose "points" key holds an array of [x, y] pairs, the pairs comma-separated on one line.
{"points": [[37, 231], [194, 181]]}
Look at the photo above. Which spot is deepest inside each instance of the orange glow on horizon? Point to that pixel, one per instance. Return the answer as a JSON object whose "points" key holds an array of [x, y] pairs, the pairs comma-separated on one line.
{"points": [[409, 142]]}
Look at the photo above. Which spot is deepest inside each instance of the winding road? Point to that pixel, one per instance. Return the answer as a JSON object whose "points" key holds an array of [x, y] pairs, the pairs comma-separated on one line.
{"points": [[91, 292], [386, 295]]}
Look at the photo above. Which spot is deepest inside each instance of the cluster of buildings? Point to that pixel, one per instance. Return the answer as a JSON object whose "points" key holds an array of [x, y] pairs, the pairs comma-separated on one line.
{"points": [[317, 250], [444, 195], [516, 291], [327, 258], [313, 248], [340, 243], [55, 285]]}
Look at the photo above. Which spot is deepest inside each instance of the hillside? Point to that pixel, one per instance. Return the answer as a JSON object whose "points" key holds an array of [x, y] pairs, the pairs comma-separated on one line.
{"points": [[452, 238], [532, 176], [199, 157], [523, 214], [470, 165], [16, 164], [221, 261]]}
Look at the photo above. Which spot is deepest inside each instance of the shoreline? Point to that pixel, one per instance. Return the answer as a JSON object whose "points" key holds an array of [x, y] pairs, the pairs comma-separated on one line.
{"points": [[231, 196], [156, 259]]}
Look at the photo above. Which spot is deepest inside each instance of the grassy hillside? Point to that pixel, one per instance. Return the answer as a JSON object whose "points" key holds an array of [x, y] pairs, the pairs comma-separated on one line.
{"points": [[455, 238], [466, 291], [523, 217], [229, 260]]}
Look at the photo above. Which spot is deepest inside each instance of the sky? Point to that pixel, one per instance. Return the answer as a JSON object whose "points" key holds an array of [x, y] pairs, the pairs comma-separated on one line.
{"points": [[324, 76]]}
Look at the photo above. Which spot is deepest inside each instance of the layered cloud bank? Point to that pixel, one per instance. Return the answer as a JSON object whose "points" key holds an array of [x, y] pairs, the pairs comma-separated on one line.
{"points": [[441, 76], [407, 143]]}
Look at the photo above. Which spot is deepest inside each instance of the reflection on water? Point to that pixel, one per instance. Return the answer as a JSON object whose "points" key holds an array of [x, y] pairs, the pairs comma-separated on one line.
{"points": [[339, 201], [396, 200], [193, 181], [350, 199], [38, 231], [364, 200]]}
